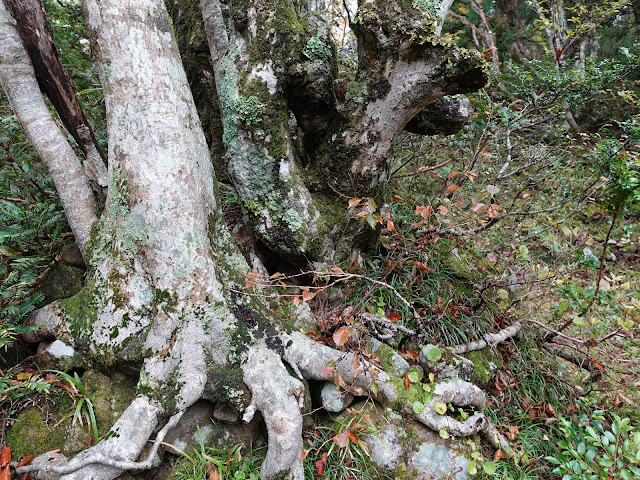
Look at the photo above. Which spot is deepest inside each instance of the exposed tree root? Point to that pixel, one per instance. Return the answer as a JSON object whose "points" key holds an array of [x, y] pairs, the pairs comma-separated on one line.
{"points": [[117, 452], [312, 358], [489, 339], [279, 397]]}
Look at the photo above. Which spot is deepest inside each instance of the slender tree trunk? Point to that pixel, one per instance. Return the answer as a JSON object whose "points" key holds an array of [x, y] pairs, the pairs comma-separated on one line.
{"points": [[21, 88]]}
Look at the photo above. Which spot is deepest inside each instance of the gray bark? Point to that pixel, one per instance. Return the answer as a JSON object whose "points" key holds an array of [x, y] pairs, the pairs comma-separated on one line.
{"points": [[296, 145], [21, 88]]}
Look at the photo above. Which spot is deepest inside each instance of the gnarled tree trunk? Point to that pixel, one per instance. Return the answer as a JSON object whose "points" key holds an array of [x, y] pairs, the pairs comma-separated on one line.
{"points": [[301, 136], [163, 271]]}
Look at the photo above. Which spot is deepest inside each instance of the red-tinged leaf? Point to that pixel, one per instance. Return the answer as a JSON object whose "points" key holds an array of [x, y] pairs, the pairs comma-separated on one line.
{"points": [[525, 195], [493, 210], [304, 453], [276, 275], [341, 335], [321, 465], [394, 317], [5, 455], [443, 210], [390, 225], [411, 354], [397, 198], [255, 276], [337, 269], [362, 214], [307, 295], [596, 364], [551, 420], [296, 300], [26, 460], [452, 174], [421, 266], [498, 455], [352, 436], [339, 380], [354, 202], [452, 188], [5, 474], [471, 176], [424, 211], [617, 403], [477, 208], [249, 284], [407, 382], [341, 439], [327, 371]]}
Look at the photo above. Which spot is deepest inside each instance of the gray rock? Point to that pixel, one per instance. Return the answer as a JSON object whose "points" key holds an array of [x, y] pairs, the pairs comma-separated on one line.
{"points": [[60, 349], [403, 449], [225, 413], [434, 462], [194, 425], [71, 255], [55, 356], [385, 449], [198, 424], [334, 400]]}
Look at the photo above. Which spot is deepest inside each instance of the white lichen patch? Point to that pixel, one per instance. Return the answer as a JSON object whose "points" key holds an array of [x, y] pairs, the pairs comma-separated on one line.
{"points": [[265, 73]]}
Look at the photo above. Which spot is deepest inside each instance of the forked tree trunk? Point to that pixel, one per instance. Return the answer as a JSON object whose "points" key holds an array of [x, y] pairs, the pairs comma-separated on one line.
{"points": [[302, 138], [163, 268]]}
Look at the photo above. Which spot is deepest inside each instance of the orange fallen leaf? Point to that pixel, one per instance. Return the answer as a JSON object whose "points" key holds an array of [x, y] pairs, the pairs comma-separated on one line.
{"points": [[341, 335], [354, 202], [5, 456], [341, 439]]}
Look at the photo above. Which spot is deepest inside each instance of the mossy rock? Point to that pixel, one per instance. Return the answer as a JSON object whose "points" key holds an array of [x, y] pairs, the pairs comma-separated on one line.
{"points": [[485, 362], [32, 435], [62, 281]]}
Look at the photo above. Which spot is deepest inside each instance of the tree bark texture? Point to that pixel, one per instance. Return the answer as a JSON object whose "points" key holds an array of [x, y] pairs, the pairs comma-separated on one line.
{"points": [[37, 37], [21, 88], [302, 137]]}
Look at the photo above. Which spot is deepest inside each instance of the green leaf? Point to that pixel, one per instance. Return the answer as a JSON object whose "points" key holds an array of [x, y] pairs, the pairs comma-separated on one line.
{"points": [[489, 467], [472, 468], [434, 354], [440, 407], [418, 407], [605, 461]]}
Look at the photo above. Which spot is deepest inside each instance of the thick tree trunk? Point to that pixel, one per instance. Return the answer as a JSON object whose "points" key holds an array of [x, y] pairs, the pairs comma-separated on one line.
{"points": [[301, 139], [163, 270]]}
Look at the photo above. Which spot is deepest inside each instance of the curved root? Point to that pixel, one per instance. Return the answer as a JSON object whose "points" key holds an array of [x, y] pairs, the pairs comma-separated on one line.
{"points": [[118, 451], [278, 396], [312, 358]]}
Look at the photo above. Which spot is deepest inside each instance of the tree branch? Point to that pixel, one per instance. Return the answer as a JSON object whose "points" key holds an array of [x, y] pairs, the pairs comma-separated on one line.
{"points": [[21, 88]]}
